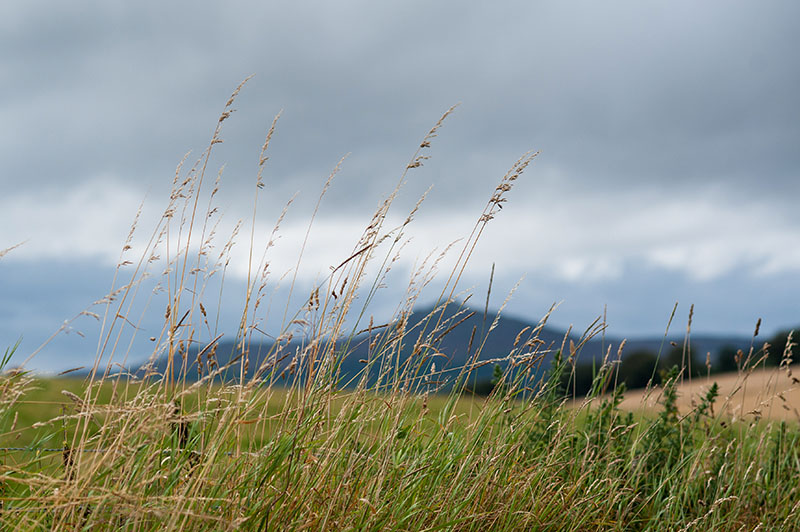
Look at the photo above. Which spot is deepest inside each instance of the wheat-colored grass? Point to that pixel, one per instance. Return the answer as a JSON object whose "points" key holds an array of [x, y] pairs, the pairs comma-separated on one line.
{"points": [[768, 393]]}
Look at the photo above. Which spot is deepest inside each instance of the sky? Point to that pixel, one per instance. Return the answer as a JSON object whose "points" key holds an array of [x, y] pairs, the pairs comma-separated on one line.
{"points": [[668, 166]]}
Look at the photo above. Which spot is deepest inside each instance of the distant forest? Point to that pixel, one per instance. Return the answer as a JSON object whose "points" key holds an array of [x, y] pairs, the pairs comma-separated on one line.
{"points": [[644, 367]]}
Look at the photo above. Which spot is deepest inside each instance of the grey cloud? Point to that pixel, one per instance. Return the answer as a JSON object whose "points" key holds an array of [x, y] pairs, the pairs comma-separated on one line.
{"points": [[622, 92]]}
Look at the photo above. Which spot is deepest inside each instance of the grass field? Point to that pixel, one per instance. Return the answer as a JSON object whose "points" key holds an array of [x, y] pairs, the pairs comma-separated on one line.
{"points": [[46, 400], [165, 453], [294, 458]]}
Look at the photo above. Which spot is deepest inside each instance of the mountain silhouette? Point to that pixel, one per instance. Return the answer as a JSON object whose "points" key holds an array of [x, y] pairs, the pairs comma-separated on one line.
{"points": [[449, 339]]}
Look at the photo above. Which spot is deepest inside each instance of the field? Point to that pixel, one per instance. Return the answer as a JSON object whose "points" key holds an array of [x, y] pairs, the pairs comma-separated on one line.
{"points": [[289, 450], [276, 458], [769, 393]]}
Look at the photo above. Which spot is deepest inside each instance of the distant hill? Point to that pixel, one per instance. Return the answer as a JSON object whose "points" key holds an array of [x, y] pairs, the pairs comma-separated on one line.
{"points": [[456, 340]]}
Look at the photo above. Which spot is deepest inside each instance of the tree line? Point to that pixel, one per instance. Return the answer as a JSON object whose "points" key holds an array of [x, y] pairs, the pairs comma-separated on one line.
{"points": [[641, 368]]}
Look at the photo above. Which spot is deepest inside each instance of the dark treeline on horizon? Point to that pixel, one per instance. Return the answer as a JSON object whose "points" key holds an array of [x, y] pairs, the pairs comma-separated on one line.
{"points": [[644, 367]]}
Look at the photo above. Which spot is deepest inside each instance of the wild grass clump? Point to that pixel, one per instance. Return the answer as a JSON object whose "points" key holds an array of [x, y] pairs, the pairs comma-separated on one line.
{"points": [[274, 441]]}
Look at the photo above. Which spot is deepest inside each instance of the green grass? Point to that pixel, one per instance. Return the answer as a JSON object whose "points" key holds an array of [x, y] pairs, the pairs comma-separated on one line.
{"points": [[353, 460], [44, 400], [251, 454]]}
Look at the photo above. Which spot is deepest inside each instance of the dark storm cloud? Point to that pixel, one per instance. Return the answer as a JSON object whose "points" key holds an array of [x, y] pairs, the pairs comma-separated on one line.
{"points": [[619, 93]]}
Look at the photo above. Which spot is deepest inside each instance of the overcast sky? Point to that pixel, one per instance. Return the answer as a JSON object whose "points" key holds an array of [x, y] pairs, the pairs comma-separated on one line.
{"points": [[669, 137]]}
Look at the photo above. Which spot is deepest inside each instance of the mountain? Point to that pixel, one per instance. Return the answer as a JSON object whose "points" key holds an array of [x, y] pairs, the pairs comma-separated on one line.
{"points": [[454, 336]]}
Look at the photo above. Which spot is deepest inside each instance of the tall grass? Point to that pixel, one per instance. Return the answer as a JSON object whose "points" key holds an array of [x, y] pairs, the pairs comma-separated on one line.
{"points": [[226, 451]]}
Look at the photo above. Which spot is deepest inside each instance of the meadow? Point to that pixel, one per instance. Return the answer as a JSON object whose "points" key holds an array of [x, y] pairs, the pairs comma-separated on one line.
{"points": [[160, 451]]}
